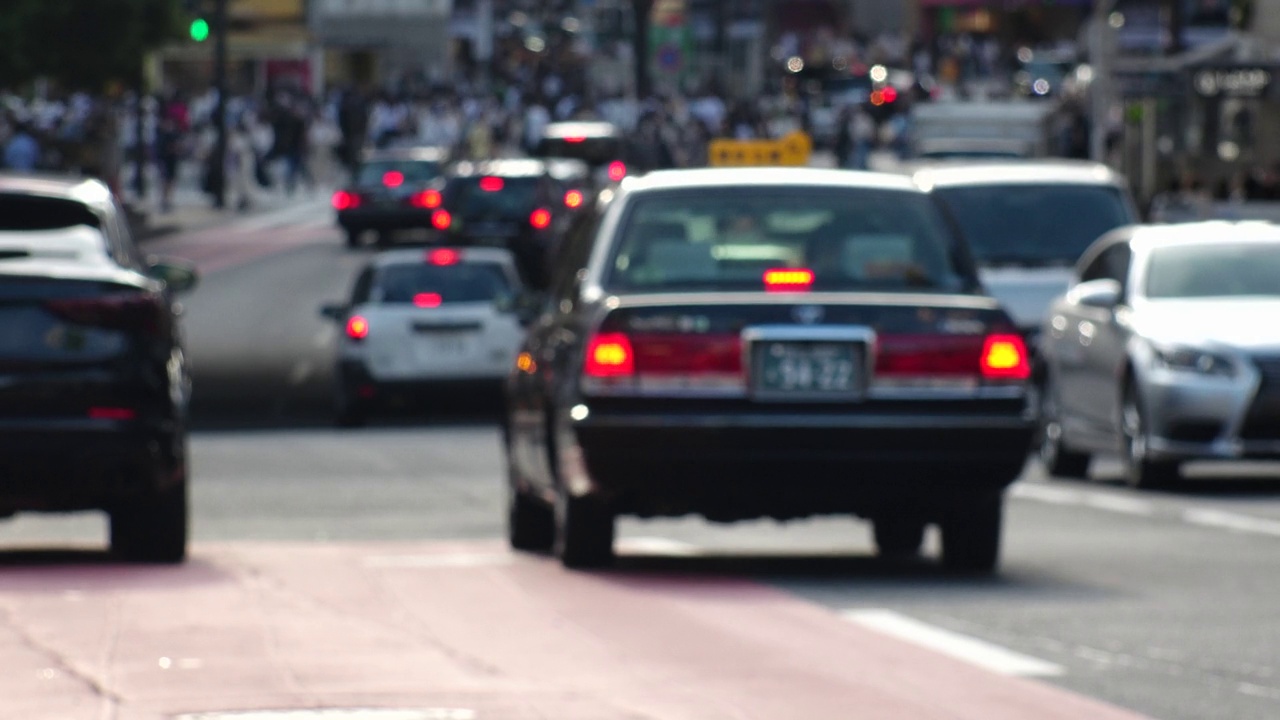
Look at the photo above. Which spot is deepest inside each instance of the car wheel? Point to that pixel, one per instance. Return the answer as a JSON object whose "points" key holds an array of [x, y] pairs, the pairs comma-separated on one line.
{"points": [[354, 237], [584, 529], [898, 537], [971, 536], [152, 527], [1140, 471], [1058, 459]]}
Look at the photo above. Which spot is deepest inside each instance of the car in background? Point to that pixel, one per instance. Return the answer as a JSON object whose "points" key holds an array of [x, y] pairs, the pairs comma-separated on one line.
{"points": [[1166, 349], [1028, 222], [776, 343], [522, 205], [421, 323], [601, 145], [94, 385], [393, 189]]}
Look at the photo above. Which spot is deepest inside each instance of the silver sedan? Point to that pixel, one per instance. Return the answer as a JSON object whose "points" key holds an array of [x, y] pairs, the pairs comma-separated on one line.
{"points": [[1166, 349]]}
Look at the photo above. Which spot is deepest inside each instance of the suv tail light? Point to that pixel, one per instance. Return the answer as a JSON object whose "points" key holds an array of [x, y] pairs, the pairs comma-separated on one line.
{"points": [[344, 200], [663, 362], [540, 219], [136, 312]]}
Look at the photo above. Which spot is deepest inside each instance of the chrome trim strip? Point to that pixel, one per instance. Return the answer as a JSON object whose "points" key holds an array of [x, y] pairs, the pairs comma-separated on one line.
{"points": [[846, 421]]}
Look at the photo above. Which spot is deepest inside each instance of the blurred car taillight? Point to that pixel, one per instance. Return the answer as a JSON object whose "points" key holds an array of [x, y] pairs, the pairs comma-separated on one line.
{"points": [[441, 220], [664, 361], [345, 200], [956, 358], [141, 312], [357, 328], [617, 171], [540, 219], [573, 199], [428, 199]]}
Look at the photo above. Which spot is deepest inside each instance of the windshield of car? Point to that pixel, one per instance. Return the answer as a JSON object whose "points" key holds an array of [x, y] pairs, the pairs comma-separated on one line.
{"points": [[504, 197], [33, 212], [1026, 224], [849, 240], [1214, 270], [593, 150], [410, 172], [409, 283]]}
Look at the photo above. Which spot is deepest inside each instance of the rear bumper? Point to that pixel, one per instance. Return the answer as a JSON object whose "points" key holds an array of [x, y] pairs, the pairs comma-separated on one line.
{"points": [[363, 387], [763, 465], [384, 219], [79, 464]]}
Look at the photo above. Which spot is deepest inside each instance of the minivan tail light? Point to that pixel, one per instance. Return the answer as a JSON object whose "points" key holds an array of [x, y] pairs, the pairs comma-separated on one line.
{"points": [[141, 312], [1005, 357]]}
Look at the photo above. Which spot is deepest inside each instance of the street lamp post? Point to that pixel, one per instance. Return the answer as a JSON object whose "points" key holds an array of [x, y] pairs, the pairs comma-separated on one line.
{"points": [[218, 173]]}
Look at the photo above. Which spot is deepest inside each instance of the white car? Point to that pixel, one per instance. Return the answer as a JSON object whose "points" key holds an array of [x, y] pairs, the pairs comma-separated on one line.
{"points": [[424, 321]]}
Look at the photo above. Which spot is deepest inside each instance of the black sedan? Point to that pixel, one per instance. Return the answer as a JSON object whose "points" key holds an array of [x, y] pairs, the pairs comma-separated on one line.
{"points": [[780, 343], [93, 382], [393, 190]]}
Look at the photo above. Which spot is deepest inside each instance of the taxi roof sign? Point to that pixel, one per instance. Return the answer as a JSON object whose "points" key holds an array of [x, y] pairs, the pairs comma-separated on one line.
{"points": [[793, 149]]}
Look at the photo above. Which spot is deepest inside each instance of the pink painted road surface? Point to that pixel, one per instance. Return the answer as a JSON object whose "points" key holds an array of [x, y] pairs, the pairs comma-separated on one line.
{"points": [[222, 248], [466, 631]]}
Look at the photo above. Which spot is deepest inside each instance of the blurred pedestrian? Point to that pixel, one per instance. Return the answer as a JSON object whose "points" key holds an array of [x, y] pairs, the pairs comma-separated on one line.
{"points": [[22, 151]]}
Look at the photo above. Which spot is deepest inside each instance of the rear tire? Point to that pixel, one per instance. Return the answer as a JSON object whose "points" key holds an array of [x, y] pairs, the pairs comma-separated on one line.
{"points": [[531, 525], [1141, 472], [584, 532], [152, 527], [971, 537], [898, 538], [1058, 459]]}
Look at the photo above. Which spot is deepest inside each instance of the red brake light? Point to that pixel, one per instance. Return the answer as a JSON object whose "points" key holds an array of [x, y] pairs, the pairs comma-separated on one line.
{"points": [[540, 219], [441, 220], [1004, 357], [443, 256], [890, 94], [492, 184], [610, 355], [343, 200], [429, 199], [357, 328], [901, 357], [575, 139], [788, 280], [617, 170], [427, 300], [112, 413], [393, 178], [573, 199]]}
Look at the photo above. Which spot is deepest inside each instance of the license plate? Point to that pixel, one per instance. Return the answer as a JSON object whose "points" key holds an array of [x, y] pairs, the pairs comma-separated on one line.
{"points": [[815, 370], [493, 230], [445, 345]]}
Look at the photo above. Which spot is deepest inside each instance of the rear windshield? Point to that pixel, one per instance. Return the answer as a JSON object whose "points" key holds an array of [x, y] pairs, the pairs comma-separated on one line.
{"points": [[504, 197], [591, 150], [1034, 224], [1214, 270], [411, 172], [468, 282], [850, 240], [28, 212]]}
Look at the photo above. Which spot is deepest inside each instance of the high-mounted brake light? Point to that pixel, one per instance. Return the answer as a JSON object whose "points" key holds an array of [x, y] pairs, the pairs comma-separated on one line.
{"points": [[788, 280], [492, 184], [441, 219], [617, 171], [540, 219], [573, 199], [1004, 357], [343, 200], [443, 256], [610, 355], [427, 300], [112, 413], [357, 327], [393, 178], [429, 199], [576, 139]]}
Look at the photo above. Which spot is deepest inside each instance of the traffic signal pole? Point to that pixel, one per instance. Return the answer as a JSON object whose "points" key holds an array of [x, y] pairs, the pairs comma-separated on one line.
{"points": [[218, 173]]}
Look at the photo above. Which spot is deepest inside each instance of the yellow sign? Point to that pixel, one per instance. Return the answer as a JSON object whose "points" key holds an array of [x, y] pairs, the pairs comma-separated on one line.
{"points": [[793, 149]]}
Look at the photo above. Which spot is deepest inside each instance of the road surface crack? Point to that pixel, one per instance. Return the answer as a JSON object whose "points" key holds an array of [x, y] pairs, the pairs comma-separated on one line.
{"points": [[62, 664]]}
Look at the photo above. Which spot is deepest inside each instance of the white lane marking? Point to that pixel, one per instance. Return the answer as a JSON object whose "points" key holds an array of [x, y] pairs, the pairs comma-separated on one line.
{"points": [[1046, 494], [656, 546], [977, 652], [1261, 691], [1119, 504], [338, 714], [1231, 521], [452, 560]]}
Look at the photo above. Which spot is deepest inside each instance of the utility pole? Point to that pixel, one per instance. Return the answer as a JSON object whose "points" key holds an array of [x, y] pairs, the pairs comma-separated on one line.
{"points": [[218, 171], [641, 11], [1177, 23], [722, 45]]}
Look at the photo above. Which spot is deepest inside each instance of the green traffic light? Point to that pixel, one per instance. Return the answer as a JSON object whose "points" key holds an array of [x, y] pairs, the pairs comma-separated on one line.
{"points": [[199, 29]]}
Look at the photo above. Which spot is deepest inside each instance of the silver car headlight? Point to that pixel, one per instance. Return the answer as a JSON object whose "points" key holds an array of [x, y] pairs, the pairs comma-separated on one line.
{"points": [[1192, 360]]}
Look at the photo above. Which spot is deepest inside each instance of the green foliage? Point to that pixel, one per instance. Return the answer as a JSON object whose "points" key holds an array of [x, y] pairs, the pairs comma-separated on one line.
{"points": [[82, 44]]}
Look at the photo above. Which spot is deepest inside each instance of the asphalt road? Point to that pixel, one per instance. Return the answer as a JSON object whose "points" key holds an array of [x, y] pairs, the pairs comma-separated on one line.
{"points": [[1161, 603]]}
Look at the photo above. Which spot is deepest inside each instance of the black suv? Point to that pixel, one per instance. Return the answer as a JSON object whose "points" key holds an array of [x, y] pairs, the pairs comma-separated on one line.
{"points": [[93, 383], [393, 190]]}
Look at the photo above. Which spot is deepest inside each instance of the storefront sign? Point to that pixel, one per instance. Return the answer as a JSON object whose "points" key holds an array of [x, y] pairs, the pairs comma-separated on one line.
{"points": [[1242, 82]]}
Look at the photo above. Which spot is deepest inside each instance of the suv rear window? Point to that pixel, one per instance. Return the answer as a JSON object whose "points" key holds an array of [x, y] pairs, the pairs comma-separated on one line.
{"points": [[851, 240], [468, 282], [1034, 224], [34, 212]]}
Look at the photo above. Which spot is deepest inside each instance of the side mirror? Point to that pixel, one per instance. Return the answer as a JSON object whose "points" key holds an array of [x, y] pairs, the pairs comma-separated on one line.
{"points": [[1103, 294], [178, 276], [333, 311]]}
